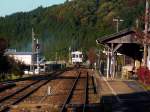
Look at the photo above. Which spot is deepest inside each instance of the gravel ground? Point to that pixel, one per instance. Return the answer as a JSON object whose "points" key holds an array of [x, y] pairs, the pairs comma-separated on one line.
{"points": [[18, 86], [59, 87], [40, 101]]}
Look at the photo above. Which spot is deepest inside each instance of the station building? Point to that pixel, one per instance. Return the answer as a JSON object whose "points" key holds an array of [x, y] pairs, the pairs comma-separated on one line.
{"points": [[129, 45]]}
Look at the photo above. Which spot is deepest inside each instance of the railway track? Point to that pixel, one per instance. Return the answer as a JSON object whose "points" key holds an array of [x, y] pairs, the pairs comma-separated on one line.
{"points": [[19, 95], [73, 92], [81, 100], [86, 93], [7, 94]]}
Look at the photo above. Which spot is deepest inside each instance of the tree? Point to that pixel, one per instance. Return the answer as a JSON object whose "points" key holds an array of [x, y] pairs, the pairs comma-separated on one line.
{"points": [[8, 64], [91, 56], [3, 59], [3, 45]]}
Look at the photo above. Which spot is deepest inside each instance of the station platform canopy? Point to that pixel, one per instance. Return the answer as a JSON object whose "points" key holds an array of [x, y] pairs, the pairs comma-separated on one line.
{"points": [[125, 42]]}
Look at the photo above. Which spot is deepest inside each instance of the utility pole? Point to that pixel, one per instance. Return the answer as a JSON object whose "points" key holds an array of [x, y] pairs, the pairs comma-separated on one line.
{"points": [[146, 33], [137, 23], [56, 58], [37, 51], [33, 51], [69, 54], [113, 54], [117, 20]]}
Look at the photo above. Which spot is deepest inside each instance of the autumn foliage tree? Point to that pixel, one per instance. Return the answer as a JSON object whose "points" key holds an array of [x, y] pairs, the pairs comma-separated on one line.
{"points": [[92, 56]]}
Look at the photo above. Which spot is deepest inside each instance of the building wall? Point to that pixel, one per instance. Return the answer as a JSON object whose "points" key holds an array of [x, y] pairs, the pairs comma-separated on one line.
{"points": [[26, 59]]}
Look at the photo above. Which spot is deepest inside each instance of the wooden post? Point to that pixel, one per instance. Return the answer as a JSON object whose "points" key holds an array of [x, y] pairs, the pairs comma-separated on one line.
{"points": [[114, 65], [145, 55], [112, 61], [146, 33], [148, 58], [108, 63]]}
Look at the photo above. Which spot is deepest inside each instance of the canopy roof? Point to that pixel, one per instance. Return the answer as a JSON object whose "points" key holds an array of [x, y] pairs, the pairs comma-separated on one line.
{"points": [[129, 44]]}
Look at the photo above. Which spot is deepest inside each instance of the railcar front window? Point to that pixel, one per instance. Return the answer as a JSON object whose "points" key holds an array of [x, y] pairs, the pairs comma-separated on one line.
{"points": [[80, 55], [73, 55]]}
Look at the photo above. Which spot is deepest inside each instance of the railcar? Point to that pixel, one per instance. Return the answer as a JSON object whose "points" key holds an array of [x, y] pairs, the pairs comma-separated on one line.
{"points": [[77, 58]]}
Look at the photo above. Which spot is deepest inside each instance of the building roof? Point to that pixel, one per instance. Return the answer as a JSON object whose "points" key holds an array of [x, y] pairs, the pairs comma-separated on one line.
{"points": [[19, 53], [130, 46], [115, 35]]}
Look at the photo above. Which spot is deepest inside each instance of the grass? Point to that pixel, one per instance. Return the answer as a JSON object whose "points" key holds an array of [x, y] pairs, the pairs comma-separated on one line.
{"points": [[10, 77]]}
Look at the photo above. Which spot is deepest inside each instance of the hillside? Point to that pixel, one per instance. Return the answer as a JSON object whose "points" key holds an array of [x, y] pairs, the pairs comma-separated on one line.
{"points": [[77, 24]]}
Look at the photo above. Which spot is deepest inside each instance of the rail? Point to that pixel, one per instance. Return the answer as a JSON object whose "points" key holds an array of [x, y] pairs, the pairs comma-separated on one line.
{"points": [[19, 96], [16, 92], [86, 93], [63, 109]]}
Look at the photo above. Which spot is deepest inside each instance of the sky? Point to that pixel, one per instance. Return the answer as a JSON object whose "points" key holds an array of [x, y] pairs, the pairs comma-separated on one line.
{"points": [[8, 7]]}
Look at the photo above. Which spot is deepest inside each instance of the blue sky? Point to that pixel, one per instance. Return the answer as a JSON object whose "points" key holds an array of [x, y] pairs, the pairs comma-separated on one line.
{"points": [[8, 7]]}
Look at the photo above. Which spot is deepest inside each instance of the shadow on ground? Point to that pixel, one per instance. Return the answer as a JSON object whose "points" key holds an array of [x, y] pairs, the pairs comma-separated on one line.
{"points": [[135, 102]]}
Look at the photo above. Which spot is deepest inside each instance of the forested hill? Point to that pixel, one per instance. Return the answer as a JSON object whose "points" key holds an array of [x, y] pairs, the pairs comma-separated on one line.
{"points": [[77, 24]]}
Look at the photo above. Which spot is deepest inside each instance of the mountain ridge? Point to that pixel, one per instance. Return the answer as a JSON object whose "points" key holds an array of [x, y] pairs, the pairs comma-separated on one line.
{"points": [[76, 24]]}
